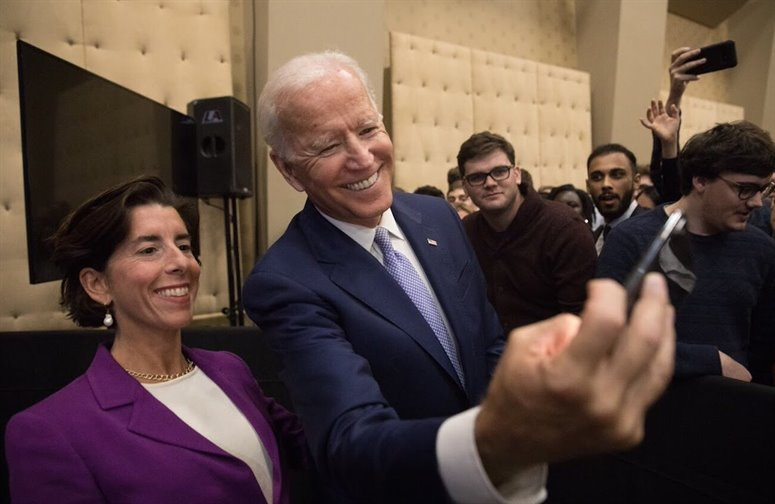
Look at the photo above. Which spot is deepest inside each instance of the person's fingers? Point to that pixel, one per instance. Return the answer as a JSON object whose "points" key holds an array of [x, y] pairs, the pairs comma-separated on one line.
{"points": [[682, 69], [646, 124], [653, 382], [655, 377], [641, 365], [545, 338], [653, 111], [602, 320], [660, 107], [635, 351], [673, 111], [679, 58], [678, 52]]}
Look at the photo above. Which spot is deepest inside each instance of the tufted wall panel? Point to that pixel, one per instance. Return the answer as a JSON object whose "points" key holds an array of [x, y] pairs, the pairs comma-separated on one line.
{"points": [[168, 50], [506, 102], [542, 109], [431, 97], [538, 30]]}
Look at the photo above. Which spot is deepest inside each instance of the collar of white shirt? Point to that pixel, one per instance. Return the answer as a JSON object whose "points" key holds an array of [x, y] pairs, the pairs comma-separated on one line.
{"points": [[364, 236]]}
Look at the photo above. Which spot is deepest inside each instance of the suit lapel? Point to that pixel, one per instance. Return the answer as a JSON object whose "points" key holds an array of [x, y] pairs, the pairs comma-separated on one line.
{"points": [[357, 272], [431, 244]]}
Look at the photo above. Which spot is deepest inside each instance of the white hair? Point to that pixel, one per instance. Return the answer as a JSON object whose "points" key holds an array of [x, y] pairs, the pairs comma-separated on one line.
{"points": [[292, 77]]}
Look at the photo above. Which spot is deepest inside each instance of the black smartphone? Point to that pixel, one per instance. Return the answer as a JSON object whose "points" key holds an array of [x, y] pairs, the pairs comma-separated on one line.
{"points": [[675, 224], [717, 57]]}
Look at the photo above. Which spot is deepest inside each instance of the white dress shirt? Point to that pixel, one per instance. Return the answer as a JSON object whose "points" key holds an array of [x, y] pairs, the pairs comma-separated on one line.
{"points": [[626, 215], [199, 402]]}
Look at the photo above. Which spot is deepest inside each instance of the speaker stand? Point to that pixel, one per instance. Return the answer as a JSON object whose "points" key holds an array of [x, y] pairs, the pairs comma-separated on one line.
{"points": [[236, 313]]}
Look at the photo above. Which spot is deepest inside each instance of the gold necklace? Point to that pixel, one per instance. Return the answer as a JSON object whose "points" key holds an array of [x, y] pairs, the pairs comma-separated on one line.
{"points": [[159, 377]]}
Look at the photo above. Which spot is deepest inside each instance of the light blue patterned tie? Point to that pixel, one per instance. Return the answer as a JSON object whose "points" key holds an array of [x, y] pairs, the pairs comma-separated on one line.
{"points": [[407, 277]]}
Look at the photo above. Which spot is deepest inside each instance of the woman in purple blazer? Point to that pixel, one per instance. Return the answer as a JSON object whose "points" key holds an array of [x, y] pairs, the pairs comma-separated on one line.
{"points": [[150, 420]]}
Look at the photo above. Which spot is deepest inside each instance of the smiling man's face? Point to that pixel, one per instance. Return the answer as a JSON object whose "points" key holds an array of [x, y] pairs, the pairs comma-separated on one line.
{"points": [[341, 154]]}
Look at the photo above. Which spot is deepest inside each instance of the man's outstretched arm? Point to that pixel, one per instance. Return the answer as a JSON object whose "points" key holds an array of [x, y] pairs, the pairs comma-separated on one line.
{"points": [[569, 386]]}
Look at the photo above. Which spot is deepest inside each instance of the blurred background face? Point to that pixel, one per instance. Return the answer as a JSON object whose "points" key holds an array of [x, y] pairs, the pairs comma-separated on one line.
{"points": [[458, 197], [644, 180], [611, 184], [571, 198]]}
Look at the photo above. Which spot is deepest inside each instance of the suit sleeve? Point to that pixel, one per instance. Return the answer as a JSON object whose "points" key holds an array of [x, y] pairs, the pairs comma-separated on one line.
{"points": [[664, 173], [357, 440], [43, 466]]}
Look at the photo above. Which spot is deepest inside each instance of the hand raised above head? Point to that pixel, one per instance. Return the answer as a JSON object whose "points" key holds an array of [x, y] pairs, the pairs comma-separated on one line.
{"points": [[570, 386], [682, 60], [664, 121]]}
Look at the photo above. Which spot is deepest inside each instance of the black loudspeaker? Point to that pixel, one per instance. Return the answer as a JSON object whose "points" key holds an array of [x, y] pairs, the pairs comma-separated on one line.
{"points": [[223, 155]]}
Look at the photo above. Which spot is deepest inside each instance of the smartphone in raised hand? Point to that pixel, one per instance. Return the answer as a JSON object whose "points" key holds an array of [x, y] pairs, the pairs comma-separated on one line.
{"points": [[717, 57]]}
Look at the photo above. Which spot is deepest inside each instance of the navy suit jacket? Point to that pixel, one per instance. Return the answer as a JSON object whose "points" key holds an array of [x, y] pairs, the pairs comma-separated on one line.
{"points": [[104, 438], [366, 373]]}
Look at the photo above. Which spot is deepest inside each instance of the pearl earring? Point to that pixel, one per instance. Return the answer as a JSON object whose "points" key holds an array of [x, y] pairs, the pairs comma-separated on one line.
{"points": [[108, 320]]}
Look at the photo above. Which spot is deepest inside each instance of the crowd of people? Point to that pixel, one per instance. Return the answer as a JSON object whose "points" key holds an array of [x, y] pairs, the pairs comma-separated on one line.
{"points": [[437, 347]]}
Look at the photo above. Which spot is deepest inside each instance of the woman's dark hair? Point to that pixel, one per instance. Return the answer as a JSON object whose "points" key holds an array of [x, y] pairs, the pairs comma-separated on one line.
{"points": [[90, 234], [738, 147], [587, 205]]}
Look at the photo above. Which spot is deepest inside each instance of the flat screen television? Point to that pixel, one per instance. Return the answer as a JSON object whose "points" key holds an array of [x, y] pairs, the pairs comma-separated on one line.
{"points": [[81, 134]]}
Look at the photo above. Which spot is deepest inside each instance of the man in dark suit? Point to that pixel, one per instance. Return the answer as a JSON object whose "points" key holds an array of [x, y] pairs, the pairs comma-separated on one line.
{"points": [[612, 177], [377, 307]]}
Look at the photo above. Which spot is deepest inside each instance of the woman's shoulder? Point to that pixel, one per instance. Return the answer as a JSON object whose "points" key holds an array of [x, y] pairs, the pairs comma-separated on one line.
{"points": [[71, 401]]}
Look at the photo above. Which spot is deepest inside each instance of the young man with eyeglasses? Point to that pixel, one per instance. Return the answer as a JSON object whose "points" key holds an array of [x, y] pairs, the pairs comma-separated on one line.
{"points": [[725, 300], [537, 255]]}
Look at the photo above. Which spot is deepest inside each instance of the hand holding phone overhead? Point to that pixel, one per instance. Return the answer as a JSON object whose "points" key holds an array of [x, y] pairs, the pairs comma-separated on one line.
{"points": [[717, 57]]}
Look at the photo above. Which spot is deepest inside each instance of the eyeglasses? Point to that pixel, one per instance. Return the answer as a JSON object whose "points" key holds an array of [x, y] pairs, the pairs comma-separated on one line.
{"points": [[748, 191], [497, 173]]}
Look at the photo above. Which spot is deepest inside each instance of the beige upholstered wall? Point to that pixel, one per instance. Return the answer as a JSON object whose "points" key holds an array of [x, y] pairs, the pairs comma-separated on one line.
{"points": [[538, 30], [171, 51], [442, 93]]}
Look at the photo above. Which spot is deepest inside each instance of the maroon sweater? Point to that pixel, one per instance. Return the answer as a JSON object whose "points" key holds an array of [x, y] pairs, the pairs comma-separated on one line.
{"points": [[539, 266]]}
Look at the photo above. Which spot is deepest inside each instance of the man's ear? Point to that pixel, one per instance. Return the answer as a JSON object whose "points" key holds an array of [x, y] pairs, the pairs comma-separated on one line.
{"points": [[96, 286], [589, 189], [518, 174], [699, 184], [636, 179], [287, 171]]}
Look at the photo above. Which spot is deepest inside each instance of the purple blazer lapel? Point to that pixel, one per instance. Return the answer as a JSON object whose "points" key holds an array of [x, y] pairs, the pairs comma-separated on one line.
{"points": [[113, 388]]}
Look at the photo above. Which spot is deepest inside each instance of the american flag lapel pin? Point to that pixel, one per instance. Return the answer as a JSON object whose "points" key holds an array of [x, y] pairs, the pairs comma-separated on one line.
{"points": [[432, 242]]}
